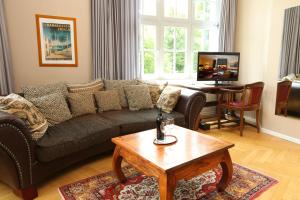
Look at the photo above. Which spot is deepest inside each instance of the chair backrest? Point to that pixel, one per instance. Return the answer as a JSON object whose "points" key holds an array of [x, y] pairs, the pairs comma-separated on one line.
{"points": [[252, 93], [283, 91]]}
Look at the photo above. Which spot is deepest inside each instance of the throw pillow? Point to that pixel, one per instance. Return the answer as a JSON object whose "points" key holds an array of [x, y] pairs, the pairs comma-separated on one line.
{"points": [[108, 100], [25, 110], [138, 97], [81, 104], [118, 85], [168, 99], [42, 90], [90, 88], [54, 107], [155, 89]]}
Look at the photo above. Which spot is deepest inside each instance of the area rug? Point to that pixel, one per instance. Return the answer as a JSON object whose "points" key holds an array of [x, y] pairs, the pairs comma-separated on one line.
{"points": [[245, 184]]}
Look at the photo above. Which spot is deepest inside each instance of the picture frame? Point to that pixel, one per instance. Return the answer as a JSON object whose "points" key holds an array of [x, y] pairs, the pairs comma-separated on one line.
{"points": [[57, 41]]}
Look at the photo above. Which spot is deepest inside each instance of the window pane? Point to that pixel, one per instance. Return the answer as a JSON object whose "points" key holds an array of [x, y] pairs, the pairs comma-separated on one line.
{"points": [[176, 8], [195, 61], [180, 62], [149, 62], [180, 34], [205, 10], [201, 40], [148, 7], [169, 38], [174, 36], [149, 35], [168, 62]]}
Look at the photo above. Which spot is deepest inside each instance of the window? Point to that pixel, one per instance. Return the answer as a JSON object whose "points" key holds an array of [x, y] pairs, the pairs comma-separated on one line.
{"points": [[172, 33]]}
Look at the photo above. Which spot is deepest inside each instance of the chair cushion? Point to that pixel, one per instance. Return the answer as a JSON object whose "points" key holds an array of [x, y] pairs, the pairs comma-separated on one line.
{"points": [[135, 121], [74, 135]]}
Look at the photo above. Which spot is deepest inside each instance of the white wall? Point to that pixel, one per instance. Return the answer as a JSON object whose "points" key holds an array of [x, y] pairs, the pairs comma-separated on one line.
{"points": [[259, 32], [20, 16]]}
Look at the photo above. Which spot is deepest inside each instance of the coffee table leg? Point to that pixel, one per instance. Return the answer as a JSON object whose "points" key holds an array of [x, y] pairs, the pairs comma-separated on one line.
{"points": [[227, 168], [167, 186], [117, 160]]}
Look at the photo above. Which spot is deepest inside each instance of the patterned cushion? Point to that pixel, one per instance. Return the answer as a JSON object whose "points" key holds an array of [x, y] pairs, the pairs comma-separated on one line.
{"points": [[119, 84], [138, 97], [54, 107], [154, 88], [168, 99], [81, 104], [108, 100], [90, 88], [42, 90], [25, 110]]}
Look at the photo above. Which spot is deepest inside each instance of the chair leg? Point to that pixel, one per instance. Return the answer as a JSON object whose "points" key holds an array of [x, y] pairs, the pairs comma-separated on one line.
{"points": [[257, 120], [285, 111], [241, 122], [219, 117]]}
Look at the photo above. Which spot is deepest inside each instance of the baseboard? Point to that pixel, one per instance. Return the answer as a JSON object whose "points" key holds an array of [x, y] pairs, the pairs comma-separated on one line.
{"points": [[251, 120], [280, 135]]}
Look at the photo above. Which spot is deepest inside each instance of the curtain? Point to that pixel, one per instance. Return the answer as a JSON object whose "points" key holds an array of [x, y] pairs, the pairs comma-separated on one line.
{"points": [[115, 39], [227, 25], [290, 52], [5, 60]]}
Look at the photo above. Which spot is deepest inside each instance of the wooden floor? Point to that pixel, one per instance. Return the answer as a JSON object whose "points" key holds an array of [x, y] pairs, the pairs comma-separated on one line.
{"points": [[272, 156]]}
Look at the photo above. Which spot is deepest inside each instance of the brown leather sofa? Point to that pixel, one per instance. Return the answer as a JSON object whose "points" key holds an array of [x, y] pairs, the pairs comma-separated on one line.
{"points": [[25, 163]]}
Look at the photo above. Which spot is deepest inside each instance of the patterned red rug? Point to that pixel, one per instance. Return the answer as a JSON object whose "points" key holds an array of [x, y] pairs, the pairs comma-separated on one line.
{"points": [[246, 184]]}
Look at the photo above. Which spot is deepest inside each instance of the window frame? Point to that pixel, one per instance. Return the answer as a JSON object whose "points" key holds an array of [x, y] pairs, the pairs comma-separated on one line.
{"points": [[190, 24]]}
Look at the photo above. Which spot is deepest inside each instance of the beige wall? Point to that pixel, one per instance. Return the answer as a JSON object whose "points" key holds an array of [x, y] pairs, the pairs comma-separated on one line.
{"points": [[259, 32], [20, 16]]}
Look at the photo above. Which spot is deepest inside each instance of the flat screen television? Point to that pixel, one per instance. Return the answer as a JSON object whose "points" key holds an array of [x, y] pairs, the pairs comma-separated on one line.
{"points": [[218, 66]]}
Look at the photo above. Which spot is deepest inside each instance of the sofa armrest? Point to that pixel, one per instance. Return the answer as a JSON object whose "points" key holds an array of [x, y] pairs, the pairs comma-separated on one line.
{"points": [[16, 149], [190, 104]]}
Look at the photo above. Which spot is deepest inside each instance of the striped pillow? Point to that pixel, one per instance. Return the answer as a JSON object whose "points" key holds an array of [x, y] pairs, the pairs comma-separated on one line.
{"points": [[89, 88]]}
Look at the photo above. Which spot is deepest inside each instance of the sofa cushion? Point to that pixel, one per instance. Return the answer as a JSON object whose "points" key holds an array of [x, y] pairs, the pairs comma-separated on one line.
{"points": [[155, 89], [168, 99], [138, 97], [135, 121], [118, 85], [81, 103], [42, 90], [25, 110], [89, 88], [108, 100], [74, 135], [54, 107]]}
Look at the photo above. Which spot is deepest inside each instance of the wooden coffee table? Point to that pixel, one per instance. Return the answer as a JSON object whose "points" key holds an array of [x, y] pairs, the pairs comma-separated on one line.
{"points": [[194, 153]]}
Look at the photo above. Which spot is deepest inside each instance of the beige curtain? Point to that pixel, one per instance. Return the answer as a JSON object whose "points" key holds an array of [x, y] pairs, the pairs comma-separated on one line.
{"points": [[115, 39], [227, 25], [290, 51], [6, 86]]}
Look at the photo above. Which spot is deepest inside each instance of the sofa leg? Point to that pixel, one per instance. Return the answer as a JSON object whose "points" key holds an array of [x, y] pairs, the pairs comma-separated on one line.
{"points": [[27, 194]]}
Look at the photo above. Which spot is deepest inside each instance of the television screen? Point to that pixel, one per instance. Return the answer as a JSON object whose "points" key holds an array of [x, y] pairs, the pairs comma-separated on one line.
{"points": [[218, 66]]}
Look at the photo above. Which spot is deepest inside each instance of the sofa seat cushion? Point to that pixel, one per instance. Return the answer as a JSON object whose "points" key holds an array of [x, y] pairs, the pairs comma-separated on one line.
{"points": [[135, 121], [74, 135]]}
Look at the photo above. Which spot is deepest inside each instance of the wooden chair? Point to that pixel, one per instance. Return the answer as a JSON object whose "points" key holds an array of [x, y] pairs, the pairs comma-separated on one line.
{"points": [[282, 97], [250, 98]]}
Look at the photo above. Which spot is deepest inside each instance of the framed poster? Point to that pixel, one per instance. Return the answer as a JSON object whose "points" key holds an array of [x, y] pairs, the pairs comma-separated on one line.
{"points": [[57, 41]]}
